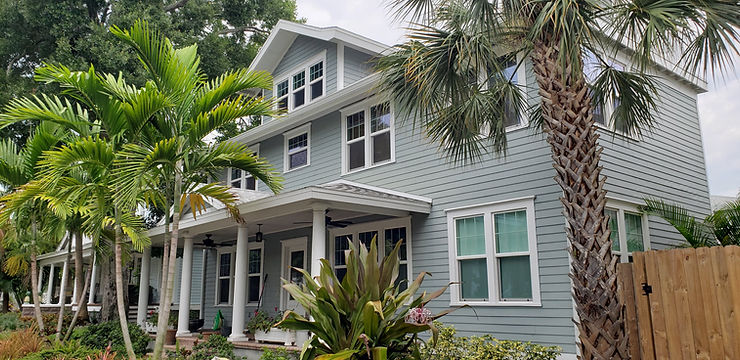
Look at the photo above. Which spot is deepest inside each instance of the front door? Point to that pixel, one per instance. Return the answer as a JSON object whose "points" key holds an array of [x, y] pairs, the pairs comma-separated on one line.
{"points": [[294, 256]]}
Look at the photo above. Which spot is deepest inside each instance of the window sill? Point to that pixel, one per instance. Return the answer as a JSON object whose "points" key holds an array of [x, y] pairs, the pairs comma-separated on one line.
{"points": [[368, 167], [498, 304], [296, 168], [223, 305], [614, 133]]}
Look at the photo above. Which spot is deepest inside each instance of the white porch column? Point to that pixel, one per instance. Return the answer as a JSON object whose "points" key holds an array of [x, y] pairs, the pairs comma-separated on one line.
{"points": [[47, 295], [93, 277], [65, 275], [183, 312], [240, 285], [141, 308], [318, 239]]}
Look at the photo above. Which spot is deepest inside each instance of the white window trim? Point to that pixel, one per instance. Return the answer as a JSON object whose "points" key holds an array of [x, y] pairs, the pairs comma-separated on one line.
{"points": [[288, 75], [380, 227], [620, 206], [252, 245], [219, 252], [487, 211], [521, 79], [306, 128], [256, 149], [285, 246], [365, 106]]}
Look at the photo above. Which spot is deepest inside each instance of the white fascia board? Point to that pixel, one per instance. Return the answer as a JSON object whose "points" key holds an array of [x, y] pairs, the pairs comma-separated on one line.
{"points": [[383, 190], [320, 107]]}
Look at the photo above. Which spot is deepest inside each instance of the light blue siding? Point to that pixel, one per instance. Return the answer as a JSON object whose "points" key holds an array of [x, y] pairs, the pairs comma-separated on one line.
{"points": [[357, 65], [303, 49]]}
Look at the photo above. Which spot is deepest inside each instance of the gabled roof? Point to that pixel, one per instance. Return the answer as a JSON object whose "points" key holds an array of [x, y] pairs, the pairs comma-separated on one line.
{"points": [[285, 32]]}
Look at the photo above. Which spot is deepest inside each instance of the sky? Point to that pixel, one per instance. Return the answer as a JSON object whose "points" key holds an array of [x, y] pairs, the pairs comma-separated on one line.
{"points": [[719, 107]]}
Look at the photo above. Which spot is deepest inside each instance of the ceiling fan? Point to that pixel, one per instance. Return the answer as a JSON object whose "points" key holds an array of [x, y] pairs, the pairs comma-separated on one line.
{"points": [[209, 243], [329, 222]]}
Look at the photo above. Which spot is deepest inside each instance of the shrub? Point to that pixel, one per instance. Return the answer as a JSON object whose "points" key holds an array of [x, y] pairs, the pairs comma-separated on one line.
{"points": [[262, 321], [69, 350], [278, 354], [11, 321], [216, 345], [98, 336], [452, 347], [20, 343]]}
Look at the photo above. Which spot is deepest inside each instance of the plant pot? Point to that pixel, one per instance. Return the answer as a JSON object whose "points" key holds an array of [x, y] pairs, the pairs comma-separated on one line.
{"points": [[285, 337], [150, 328], [170, 337]]}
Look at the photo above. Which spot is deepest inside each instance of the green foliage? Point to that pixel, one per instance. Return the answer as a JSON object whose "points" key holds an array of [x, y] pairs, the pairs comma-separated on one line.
{"points": [[99, 336], [20, 343], [216, 345], [50, 322], [263, 321], [11, 321], [452, 347], [367, 310], [278, 354], [72, 349], [721, 227]]}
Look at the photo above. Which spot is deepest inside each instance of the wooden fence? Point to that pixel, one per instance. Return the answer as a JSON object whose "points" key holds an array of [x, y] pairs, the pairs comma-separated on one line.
{"points": [[683, 303]]}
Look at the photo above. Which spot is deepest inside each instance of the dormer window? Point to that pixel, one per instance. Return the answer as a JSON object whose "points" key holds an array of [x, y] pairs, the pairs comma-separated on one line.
{"points": [[303, 85]]}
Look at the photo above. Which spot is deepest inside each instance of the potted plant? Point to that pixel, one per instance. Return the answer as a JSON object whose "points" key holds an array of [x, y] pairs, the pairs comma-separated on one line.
{"points": [[150, 325], [261, 324], [170, 337]]}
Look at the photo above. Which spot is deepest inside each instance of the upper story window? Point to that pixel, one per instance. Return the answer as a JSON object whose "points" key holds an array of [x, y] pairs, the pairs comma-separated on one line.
{"points": [[302, 85], [591, 69], [297, 147], [629, 229], [509, 71], [493, 254], [241, 179], [367, 136]]}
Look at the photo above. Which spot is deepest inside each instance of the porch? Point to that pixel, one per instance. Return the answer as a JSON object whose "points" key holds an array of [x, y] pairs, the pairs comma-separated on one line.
{"points": [[243, 263]]}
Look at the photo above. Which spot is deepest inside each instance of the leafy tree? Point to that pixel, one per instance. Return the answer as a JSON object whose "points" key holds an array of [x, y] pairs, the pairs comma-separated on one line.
{"points": [[721, 227], [434, 79]]}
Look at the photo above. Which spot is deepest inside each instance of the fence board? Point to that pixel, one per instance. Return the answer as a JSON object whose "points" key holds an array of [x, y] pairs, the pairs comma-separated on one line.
{"points": [[684, 325], [670, 312], [724, 299], [732, 259], [696, 298], [660, 338], [627, 296], [710, 306], [642, 308]]}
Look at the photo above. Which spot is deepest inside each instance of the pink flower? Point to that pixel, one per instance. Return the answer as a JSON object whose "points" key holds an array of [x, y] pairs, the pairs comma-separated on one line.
{"points": [[419, 316]]}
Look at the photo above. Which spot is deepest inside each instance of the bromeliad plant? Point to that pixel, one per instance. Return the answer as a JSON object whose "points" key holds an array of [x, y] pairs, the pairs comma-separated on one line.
{"points": [[363, 316]]}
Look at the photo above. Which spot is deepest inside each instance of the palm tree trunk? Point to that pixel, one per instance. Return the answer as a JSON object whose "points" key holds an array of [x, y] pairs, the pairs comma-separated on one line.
{"points": [[122, 314], [568, 122], [107, 289], [35, 292], [88, 279], [79, 280], [166, 298], [63, 290]]}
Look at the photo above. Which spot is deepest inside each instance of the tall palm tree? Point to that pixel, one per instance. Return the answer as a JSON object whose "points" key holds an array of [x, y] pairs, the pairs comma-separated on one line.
{"points": [[448, 78], [177, 152], [721, 227]]}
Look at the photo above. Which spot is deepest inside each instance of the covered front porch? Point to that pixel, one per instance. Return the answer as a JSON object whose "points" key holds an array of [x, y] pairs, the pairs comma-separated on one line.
{"points": [[243, 263]]}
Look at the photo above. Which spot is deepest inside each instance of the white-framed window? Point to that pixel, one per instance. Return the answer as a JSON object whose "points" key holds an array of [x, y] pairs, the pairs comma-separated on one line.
{"points": [[226, 266], [629, 229], [297, 148], [241, 179], [602, 113], [387, 234], [301, 85], [493, 254], [368, 135], [513, 118]]}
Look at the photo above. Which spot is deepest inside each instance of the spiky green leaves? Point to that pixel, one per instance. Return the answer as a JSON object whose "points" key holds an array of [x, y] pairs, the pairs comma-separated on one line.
{"points": [[722, 227]]}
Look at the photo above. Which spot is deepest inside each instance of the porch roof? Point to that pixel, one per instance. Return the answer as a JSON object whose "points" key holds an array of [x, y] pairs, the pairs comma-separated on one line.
{"points": [[339, 195]]}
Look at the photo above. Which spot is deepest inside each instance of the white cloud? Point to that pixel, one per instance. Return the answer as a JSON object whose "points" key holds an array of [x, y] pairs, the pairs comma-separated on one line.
{"points": [[719, 109]]}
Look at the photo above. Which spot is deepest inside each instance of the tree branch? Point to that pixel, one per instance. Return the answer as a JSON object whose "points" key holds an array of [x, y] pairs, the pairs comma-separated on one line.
{"points": [[253, 29], [174, 6]]}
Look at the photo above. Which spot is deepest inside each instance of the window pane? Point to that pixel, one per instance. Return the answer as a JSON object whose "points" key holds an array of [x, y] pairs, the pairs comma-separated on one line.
{"points": [[341, 243], [299, 98], [283, 104], [223, 291], [516, 281], [255, 261], [235, 174], [357, 155], [356, 125], [403, 275], [473, 279], [251, 184], [298, 142], [282, 88], [380, 117], [367, 237], [511, 231], [633, 227], [613, 228], [236, 183], [296, 261], [470, 234], [225, 266], [316, 70], [298, 159], [511, 114], [382, 147], [254, 289], [299, 80], [340, 273], [392, 237], [317, 89]]}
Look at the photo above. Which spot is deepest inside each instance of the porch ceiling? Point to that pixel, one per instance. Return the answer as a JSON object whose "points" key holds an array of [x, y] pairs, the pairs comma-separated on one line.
{"points": [[344, 200]]}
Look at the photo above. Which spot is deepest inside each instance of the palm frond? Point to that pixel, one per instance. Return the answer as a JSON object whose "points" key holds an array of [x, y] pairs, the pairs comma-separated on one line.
{"points": [[696, 233], [634, 94], [227, 85], [47, 108], [726, 223], [227, 111], [12, 165]]}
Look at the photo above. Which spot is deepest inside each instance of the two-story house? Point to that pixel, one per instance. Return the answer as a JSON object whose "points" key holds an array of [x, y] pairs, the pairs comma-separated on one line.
{"points": [[354, 171]]}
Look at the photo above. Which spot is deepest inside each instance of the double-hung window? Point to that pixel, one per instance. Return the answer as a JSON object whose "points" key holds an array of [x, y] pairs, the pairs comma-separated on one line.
{"points": [[510, 72], [591, 69], [225, 275], [254, 273], [241, 179], [303, 85], [367, 136], [629, 229], [493, 254], [386, 233], [297, 147], [226, 268]]}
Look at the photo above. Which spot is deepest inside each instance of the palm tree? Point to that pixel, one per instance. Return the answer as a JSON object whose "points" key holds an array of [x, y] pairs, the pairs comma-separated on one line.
{"points": [[721, 227], [177, 152], [448, 79]]}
